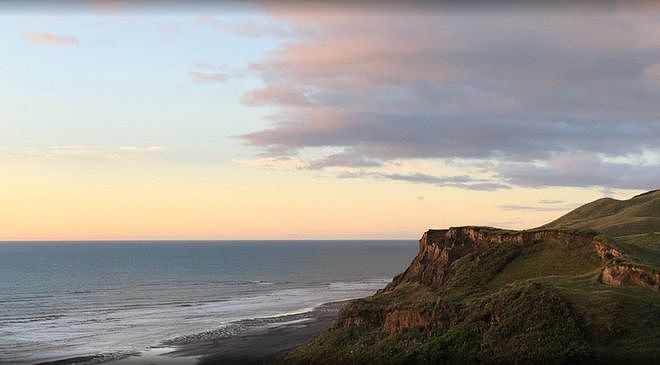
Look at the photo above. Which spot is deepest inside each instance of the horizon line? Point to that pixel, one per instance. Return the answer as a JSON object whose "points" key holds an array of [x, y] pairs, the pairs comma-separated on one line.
{"points": [[194, 240]]}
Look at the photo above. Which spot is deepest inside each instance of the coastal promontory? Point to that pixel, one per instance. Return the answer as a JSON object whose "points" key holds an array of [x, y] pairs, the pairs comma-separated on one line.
{"points": [[583, 289]]}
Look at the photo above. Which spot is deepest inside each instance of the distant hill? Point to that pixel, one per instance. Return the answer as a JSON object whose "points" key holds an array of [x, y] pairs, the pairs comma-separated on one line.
{"points": [[615, 218], [583, 289], [631, 225]]}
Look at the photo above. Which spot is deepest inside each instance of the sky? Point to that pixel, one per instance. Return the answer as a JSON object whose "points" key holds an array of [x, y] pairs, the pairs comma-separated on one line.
{"points": [[144, 120]]}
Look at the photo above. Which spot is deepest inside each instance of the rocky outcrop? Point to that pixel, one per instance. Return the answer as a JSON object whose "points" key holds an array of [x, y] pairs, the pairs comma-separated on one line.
{"points": [[480, 295], [438, 249], [621, 275], [354, 314], [398, 320], [607, 253], [618, 274], [389, 321]]}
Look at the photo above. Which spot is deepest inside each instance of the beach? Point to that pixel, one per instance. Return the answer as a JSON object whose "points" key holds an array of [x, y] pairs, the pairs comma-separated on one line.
{"points": [[264, 344], [179, 302], [260, 343]]}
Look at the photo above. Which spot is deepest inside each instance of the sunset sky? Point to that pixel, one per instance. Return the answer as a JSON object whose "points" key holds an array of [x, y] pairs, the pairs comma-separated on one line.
{"points": [[128, 120]]}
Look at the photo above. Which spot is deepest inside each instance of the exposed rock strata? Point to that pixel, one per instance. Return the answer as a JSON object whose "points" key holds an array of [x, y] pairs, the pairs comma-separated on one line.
{"points": [[606, 252], [397, 320], [439, 248], [621, 275]]}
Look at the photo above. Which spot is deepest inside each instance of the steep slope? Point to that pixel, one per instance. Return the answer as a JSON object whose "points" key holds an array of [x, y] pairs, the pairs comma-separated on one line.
{"points": [[564, 293]]}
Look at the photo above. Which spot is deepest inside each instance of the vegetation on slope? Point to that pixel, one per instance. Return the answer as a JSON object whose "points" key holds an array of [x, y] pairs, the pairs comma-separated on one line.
{"points": [[633, 225], [500, 301], [615, 218]]}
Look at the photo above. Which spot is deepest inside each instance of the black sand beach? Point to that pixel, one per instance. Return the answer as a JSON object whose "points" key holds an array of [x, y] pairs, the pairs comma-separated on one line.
{"points": [[259, 345], [247, 342], [182, 297]]}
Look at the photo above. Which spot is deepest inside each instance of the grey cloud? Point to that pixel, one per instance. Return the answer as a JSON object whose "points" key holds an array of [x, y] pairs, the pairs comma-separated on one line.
{"points": [[551, 201], [515, 207], [498, 88], [343, 159], [586, 170], [461, 181], [388, 136]]}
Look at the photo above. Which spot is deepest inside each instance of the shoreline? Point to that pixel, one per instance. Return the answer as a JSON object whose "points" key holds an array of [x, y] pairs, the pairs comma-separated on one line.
{"points": [[265, 343], [245, 342], [87, 317]]}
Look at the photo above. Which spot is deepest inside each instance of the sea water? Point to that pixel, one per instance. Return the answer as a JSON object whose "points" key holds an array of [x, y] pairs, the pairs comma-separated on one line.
{"points": [[61, 300]]}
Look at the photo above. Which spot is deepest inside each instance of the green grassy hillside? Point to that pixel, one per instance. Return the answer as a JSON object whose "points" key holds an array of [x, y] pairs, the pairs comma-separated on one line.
{"points": [[631, 225], [615, 218], [480, 295]]}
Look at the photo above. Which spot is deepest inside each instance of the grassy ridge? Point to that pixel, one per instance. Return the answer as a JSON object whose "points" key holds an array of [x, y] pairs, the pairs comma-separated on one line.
{"points": [[631, 225], [615, 218]]}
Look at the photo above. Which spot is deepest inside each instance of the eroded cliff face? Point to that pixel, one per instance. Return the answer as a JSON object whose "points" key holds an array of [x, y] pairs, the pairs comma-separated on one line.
{"points": [[352, 315], [488, 296], [606, 252], [397, 320], [625, 274], [621, 275], [438, 249], [388, 320]]}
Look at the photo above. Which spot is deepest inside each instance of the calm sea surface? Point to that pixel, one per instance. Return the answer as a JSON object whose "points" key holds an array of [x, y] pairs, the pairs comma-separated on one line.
{"points": [[60, 300]]}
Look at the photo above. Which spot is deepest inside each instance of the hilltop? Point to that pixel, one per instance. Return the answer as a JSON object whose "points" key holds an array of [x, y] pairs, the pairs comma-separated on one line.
{"points": [[615, 218], [631, 225], [581, 289]]}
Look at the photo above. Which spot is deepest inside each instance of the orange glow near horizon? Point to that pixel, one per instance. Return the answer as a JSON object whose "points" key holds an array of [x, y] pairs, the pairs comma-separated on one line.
{"points": [[271, 121], [180, 202]]}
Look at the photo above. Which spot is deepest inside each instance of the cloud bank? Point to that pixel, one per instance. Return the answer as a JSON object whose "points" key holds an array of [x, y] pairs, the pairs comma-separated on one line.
{"points": [[543, 99]]}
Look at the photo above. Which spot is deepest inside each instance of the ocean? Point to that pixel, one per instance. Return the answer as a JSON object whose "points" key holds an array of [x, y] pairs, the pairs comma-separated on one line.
{"points": [[61, 300]]}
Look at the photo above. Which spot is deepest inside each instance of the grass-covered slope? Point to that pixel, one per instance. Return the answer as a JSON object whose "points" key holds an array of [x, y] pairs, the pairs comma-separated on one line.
{"points": [[632, 225], [615, 218], [560, 294]]}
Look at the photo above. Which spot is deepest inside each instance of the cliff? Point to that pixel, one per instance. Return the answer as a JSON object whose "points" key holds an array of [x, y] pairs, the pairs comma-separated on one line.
{"points": [[438, 249], [558, 294], [630, 275]]}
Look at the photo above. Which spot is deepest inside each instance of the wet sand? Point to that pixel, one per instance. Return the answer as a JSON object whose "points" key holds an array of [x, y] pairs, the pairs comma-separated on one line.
{"points": [[262, 345], [247, 342]]}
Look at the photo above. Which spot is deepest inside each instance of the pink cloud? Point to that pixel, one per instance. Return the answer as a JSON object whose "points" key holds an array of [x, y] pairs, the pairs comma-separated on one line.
{"points": [[417, 84], [247, 27], [50, 38], [276, 95]]}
